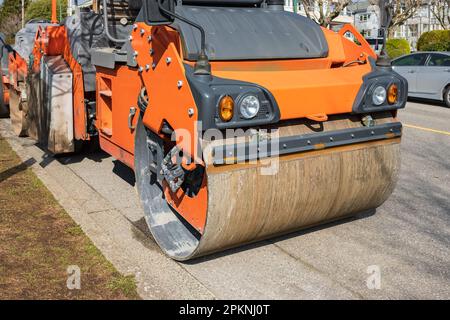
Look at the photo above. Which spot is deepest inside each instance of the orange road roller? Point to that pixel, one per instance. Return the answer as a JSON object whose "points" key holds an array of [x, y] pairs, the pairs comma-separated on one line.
{"points": [[240, 120]]}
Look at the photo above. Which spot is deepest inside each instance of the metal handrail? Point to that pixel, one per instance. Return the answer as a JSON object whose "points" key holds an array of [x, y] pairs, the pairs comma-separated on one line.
{"points": [[105, 21]]}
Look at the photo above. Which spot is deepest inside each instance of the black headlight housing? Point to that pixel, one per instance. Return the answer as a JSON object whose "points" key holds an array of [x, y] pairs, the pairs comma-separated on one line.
{"points": [[384, 77], [267, 112], [210, 90]]}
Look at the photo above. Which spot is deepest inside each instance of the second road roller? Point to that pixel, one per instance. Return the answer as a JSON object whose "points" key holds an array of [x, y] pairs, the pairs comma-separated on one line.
{"points": [[240, 120]]}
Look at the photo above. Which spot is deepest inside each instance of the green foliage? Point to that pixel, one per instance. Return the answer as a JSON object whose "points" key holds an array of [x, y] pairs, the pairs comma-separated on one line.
{"points": [[10, 18], [11, 14], [397, 47], [10, 7], [42, 9], [437, 40]]}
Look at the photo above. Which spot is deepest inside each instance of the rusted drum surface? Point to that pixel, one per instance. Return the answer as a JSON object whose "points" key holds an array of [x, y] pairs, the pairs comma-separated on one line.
{"points": [[245, 206], [36, 115]]}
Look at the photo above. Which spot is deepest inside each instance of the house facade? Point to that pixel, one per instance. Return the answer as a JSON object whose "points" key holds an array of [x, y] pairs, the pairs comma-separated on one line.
{"points": [[421, 22], [344, 17], [365, 17], [366, 20]]}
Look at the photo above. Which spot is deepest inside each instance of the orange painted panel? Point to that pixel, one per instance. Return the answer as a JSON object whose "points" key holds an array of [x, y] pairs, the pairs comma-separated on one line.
{"points": [[192, 209], [79, 107], [171, 102], [336, 51], [17, 69], [116, 151], [167, 101], [351, 48], [303, 93], [5, 85], [117, 92]]}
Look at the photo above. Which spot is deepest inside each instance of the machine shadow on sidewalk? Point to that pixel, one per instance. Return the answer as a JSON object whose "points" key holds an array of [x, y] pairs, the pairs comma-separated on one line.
{"points": [[16, 169], [261, 243], [87, 151]]}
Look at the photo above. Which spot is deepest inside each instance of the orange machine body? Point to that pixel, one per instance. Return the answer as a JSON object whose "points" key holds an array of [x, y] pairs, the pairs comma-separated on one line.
{"points": [[17, 70]]}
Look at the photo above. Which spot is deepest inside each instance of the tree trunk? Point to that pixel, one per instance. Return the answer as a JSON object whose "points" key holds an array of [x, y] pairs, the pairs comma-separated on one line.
{"points": [[391, 32]]}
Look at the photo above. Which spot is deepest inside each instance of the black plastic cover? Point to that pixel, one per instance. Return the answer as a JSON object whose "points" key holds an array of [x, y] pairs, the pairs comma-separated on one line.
{"points": [[85, 32], [236, 33], [5, 49], [154, 16], [135, 4], [24, 41]]}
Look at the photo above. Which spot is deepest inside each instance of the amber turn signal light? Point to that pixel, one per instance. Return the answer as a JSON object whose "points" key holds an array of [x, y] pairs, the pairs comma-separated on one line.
{"points": [[226, 108], [392, 94]]}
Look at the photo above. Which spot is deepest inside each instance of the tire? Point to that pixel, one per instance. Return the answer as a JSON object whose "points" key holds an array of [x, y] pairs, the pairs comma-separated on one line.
{"points": [[447, 96]]}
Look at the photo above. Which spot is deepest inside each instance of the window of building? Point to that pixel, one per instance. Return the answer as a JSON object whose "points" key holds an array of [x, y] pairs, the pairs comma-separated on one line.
{"points": [[363, 18]]}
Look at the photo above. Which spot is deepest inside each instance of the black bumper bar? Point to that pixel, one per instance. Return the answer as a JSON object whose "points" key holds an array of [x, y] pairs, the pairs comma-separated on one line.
{"points": [[242, 152]]}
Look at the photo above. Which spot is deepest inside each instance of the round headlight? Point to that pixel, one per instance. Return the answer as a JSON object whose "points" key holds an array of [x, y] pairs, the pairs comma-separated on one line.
{"points": [[379, 95], [249, 106]]}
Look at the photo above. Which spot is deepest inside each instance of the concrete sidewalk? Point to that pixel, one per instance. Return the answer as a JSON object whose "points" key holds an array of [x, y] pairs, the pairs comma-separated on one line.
{"points": [[407, 239]]}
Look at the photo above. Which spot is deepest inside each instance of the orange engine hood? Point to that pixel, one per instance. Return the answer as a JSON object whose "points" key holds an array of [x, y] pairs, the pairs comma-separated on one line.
{"points": [[305, 93]]}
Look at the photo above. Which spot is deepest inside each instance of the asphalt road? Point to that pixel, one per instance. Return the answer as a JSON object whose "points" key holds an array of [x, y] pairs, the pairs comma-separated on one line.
{"points": [[403, 248]]}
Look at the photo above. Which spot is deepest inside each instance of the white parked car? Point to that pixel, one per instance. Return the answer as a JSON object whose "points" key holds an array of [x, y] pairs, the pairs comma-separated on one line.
{"points": [[428, 74]]}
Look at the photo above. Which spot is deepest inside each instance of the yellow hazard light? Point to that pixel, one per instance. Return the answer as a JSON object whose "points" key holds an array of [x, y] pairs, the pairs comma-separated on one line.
{"points": [[226, 108], [392, 94]]}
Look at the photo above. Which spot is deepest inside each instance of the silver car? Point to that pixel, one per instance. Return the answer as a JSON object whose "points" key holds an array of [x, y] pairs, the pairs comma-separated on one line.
{"points": [[428, 74]]}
